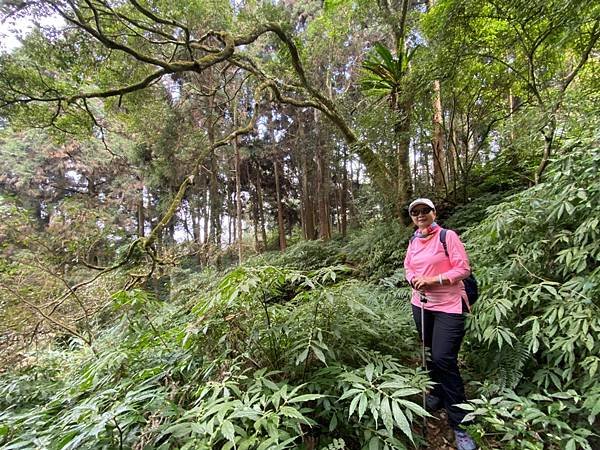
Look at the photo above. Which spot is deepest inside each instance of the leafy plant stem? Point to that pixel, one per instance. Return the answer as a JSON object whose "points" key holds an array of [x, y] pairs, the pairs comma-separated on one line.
{"points": [[120, 433]]}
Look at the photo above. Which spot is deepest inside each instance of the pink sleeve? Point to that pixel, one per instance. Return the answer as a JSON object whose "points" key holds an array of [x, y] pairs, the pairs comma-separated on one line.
{"points": [[408, 270], [459, 260]]}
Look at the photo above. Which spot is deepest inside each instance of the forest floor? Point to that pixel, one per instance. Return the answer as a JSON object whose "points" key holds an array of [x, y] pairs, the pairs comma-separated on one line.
{"points": [[439, 434]]}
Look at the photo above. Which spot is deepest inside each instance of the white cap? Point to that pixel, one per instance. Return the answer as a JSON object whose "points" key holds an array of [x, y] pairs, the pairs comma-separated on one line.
{"points": [[421, 201]]}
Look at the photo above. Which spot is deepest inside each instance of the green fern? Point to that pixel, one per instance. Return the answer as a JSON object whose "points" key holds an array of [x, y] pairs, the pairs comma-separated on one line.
{"points": [[511, 364]]}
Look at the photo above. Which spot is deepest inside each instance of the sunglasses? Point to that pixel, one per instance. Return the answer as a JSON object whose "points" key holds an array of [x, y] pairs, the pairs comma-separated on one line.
{"points": [[417, 211]]}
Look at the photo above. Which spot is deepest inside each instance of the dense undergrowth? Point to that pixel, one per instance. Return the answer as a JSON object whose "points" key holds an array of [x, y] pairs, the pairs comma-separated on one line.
{"points": [[314, 347], [267, 357], [535, 332]]}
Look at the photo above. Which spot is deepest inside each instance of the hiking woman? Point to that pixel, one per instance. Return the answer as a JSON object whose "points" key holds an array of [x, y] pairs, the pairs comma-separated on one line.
{"points": [[437, 273]]}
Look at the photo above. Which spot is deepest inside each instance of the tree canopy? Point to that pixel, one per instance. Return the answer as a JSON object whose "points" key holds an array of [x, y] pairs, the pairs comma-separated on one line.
{"points": [[204, 219]]}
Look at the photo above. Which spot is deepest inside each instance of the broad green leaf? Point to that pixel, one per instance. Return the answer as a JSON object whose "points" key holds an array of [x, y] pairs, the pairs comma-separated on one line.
{"points": [[401, 420], [386, 414], [227, 430], [353, 405], [319, 353], [350, 393], [288, 411], [362, 406], [369, 371], [302, 356], [374, 443], [306, 398]]}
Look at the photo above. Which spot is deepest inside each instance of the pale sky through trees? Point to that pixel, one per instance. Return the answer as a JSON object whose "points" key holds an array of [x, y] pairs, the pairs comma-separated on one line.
{"points": [[11, 30], [14, 29]]}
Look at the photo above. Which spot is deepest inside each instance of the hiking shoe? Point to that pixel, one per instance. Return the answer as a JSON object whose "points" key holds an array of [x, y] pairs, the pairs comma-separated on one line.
{"points": [[464, 441], [433, 403]]}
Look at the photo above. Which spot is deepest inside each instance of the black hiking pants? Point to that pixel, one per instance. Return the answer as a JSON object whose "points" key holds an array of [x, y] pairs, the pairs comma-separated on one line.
{"points": [[444, 333]]}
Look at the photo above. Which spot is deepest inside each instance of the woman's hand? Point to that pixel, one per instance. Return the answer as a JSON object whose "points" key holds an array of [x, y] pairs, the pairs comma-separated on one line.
{"points": [[421, 283]]}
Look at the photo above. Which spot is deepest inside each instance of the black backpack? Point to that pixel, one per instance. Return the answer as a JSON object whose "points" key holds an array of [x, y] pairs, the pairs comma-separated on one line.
{"points": [[470, 282]]}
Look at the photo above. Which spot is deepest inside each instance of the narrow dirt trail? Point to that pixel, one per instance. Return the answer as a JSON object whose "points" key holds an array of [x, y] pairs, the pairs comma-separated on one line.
{"points": [[439, 434]]}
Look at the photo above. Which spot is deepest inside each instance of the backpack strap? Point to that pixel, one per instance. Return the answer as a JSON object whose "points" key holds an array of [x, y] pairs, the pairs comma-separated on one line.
{"points": [[443, 241]]}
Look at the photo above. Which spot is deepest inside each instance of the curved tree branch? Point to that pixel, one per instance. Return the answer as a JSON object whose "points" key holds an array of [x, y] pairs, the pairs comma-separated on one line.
{"points": [[309, 95]]}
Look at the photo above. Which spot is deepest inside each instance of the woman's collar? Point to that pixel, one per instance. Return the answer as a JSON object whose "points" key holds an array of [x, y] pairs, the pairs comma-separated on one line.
{"points": [[431, 229]]}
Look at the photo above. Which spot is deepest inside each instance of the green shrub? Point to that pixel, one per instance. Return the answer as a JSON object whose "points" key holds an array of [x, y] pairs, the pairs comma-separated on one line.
{"points": [[538, 421], [378, 250], [307, 255], [536, 256], [265, 357]]}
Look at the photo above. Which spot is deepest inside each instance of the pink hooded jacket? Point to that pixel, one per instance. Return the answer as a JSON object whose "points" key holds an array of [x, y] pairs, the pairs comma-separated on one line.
{"points": [[426, 257]]}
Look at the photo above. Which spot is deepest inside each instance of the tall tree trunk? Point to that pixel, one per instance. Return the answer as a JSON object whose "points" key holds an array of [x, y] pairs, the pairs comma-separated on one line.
{"points": [[426, 169], [238, 199], [437, 143], [255, 225], [230, 221], [440, 167], [465, 163], [203, 255], [402, 130], [261, 207], [215, 203], [353, 190], [195, 213], [199, 228], [323, 193], [455, 161], [229, 213], [254, 202], [280, 224], [344, 196], [511, 110], [415, 174], [307, 204], [302, 203]]}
